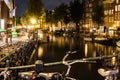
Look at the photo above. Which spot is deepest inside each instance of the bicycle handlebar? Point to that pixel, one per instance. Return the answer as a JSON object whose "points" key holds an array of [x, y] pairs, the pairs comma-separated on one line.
{"points": [[68, 64], [72, 52]]}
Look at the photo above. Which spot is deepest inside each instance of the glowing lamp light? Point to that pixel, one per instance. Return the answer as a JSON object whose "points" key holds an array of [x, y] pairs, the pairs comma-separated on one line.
{"points": [[33, 21]]}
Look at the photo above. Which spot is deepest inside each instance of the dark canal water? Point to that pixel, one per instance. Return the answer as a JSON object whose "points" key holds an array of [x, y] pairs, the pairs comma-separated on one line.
{"points": [[57, 47]]}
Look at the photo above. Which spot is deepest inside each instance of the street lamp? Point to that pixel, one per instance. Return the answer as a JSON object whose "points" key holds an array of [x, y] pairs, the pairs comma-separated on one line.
{"points": [[33, 21]]}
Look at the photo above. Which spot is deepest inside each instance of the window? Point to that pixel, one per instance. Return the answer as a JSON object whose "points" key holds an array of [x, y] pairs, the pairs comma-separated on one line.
{"points": [[106, 12], [119, 7], [91, 10], [87, 14], [116, 8], [119, 16], [116, 16], [117, 1], [106, 19], [112, 11], [111, 19], [90, 5]]}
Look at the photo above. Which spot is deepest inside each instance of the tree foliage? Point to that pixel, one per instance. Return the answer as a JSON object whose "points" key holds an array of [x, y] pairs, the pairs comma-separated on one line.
{"points": [[76, 11], [98, 14], [25, 19], [49, 18], [61, 12], [66, 19], [35, 8]]}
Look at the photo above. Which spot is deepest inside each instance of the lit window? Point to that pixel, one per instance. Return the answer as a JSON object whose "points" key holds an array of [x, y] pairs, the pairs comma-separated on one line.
{"points": [[116, 23], [112, 11], [106, 19], [116, 16], [90, 10], [111, 19], [117, 1], [119, 16], [87, 15], [90, 5], [106, 12], [90, 15], [109, 12], [116, 9]]}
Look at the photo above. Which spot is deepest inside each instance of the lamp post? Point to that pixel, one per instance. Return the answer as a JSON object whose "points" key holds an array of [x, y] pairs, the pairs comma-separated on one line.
{"points": [[33, 21]]}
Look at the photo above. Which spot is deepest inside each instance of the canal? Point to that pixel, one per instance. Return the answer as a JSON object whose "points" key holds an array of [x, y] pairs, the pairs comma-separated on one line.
{"points": [[56, 48]]}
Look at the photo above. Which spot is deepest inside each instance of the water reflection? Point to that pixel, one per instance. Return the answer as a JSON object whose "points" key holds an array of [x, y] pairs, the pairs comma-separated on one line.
{"points": [[57, 47], [113, 61], [40, 52], [86, 50], [118, 49]]}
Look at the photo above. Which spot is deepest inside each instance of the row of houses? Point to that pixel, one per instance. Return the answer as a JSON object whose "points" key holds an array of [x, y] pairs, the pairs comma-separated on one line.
{"points": [[111, 11]]}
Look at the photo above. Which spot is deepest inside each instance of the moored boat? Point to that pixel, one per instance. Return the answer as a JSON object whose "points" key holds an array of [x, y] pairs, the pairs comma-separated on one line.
{"points": [[118, 43], [96, 39]]}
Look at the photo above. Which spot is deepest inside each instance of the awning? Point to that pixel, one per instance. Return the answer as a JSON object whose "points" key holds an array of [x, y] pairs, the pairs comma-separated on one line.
{"points": [[2, 30]]}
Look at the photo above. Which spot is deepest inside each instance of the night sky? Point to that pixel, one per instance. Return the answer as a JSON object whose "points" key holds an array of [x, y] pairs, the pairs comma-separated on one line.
{"points": [[51, 4], [21, 5]]}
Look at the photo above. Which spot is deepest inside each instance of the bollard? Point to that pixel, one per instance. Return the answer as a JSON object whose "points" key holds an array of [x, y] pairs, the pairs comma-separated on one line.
{"points": [[39, 66]]}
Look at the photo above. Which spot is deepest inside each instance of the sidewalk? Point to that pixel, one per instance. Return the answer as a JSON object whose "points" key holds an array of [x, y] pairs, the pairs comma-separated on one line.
{"points": [[14, 40]]}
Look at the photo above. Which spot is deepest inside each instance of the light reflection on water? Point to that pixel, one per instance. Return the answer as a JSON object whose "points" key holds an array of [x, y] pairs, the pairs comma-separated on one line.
{"points": [[113, 61], [86, 50], [58, 46], [40, 52]]}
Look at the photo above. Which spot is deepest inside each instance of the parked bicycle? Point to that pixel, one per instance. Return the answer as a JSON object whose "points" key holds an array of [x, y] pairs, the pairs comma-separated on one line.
{"points": [[38, 72]]}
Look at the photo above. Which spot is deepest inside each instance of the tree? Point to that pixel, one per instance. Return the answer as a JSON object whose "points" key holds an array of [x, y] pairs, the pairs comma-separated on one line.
{"points": [[61, 13], [24, 19], [98, 14], [35, 8], [49, 18], [66, 19], [76, 11]]}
